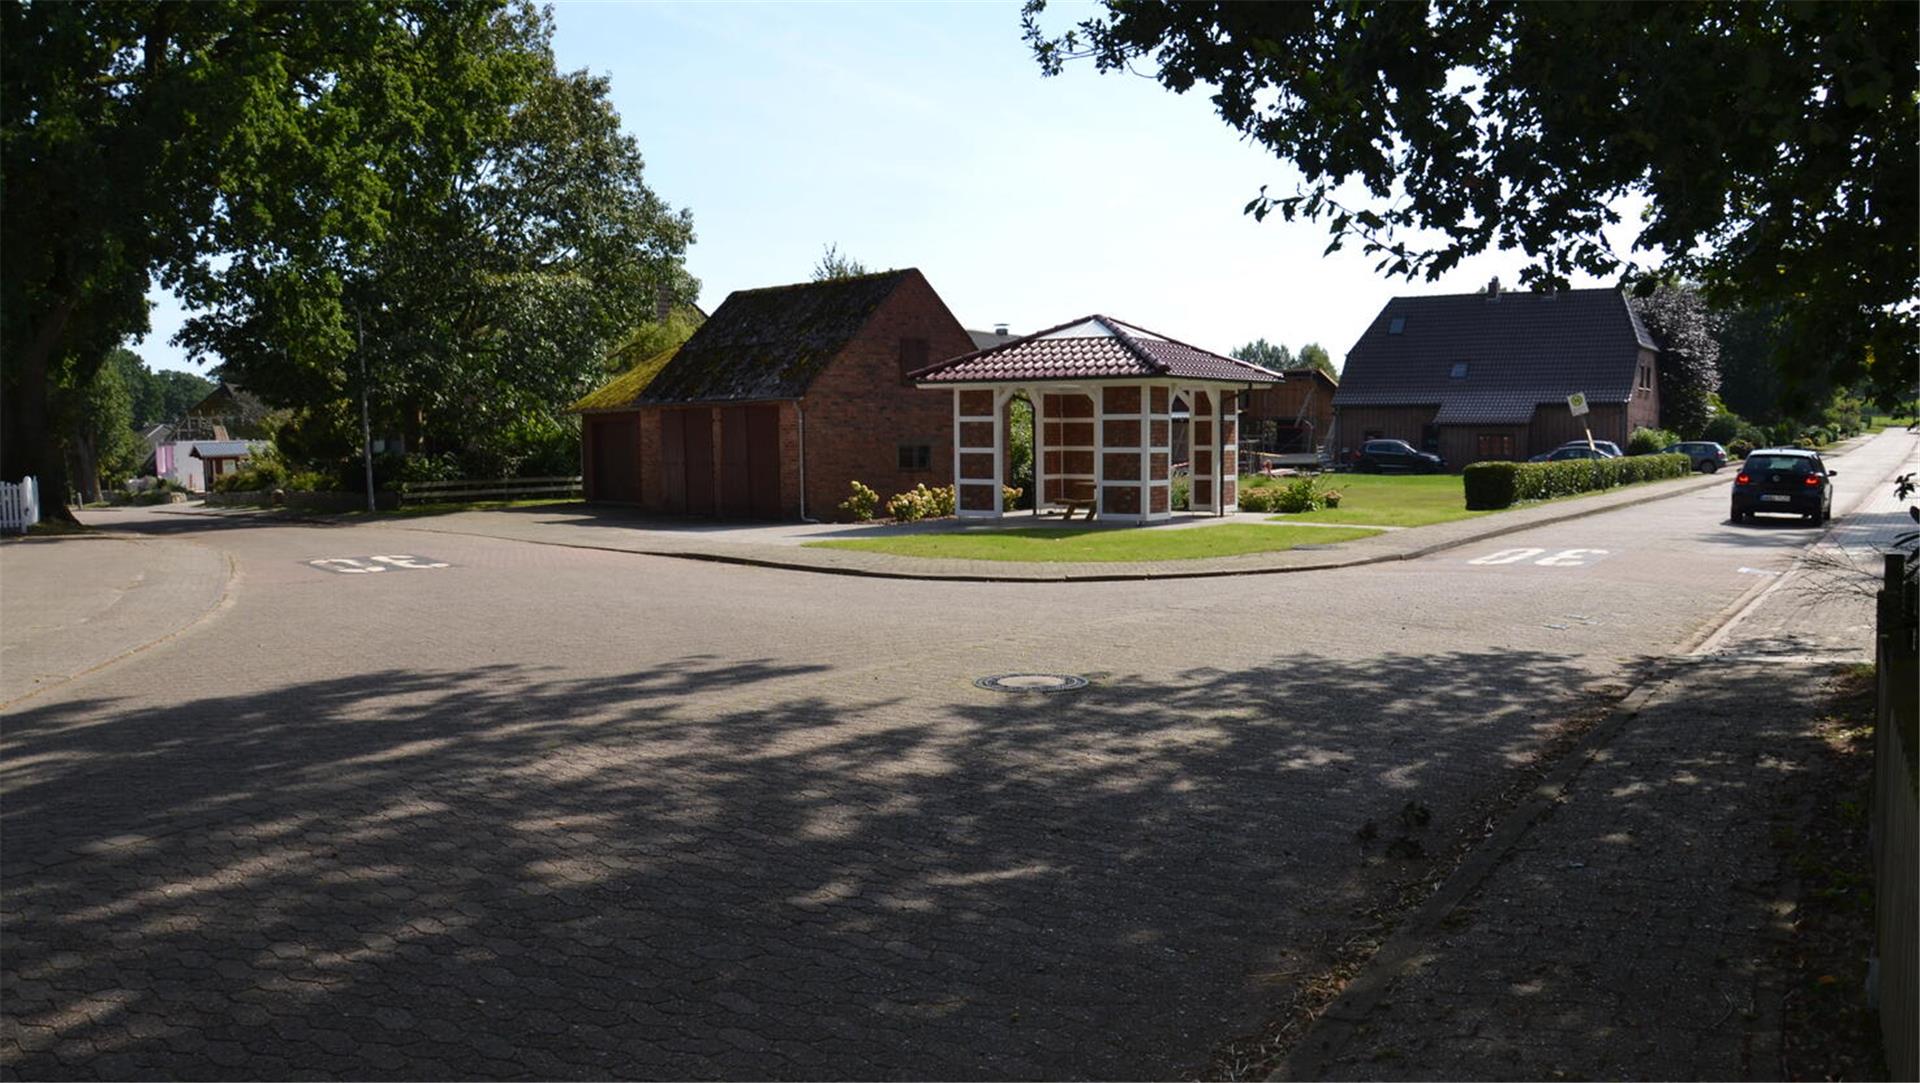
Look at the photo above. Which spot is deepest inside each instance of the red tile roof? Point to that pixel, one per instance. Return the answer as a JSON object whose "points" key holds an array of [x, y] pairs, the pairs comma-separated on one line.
{"points": [[1093, 348]]}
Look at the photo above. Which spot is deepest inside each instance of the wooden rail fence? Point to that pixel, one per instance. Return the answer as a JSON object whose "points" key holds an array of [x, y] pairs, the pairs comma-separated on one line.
{"points": [[446, 492]]}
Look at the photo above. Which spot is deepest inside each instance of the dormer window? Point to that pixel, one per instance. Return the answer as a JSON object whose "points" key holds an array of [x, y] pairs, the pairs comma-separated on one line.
{"points": [[1396, 325], [1458, 372]]}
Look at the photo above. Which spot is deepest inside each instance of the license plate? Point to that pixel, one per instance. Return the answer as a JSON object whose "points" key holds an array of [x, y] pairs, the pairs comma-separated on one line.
{"points": [[1775, 498]]}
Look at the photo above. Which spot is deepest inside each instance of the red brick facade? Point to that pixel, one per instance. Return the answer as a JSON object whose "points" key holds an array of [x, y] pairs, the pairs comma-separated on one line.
{"points": [[861, 421]]}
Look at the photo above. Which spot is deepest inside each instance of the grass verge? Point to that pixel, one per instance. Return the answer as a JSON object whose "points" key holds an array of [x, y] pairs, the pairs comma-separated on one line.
{"points": [[1383, 499], [1052, 545]]}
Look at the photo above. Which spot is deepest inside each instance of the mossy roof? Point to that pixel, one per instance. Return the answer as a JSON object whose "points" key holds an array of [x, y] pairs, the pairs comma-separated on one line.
{"points": [[621, 391], [770, 343]]}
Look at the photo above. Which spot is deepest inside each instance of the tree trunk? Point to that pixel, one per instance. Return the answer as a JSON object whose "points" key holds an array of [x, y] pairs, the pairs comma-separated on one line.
{"points": [[29, 448], [86, 459]]}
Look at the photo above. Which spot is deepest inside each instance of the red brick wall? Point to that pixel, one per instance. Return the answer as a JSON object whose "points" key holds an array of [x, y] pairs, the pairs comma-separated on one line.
{"points": [[858, 411]]}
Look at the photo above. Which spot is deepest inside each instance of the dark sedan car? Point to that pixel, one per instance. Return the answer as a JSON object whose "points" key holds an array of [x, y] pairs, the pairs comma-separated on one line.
{"points": [[1395, 457], [1708, 457], [1791, 481]]}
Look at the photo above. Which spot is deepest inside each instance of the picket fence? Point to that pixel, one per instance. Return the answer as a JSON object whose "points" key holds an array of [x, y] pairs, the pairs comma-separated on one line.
{"points": [[19, 505]]}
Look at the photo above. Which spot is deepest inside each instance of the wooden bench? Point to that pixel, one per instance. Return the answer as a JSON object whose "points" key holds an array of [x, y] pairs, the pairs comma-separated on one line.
{"points": [[1091, 507]]}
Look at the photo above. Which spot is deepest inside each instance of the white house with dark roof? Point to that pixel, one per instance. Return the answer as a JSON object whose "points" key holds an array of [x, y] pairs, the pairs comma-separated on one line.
{"points": [[1482, 376]]}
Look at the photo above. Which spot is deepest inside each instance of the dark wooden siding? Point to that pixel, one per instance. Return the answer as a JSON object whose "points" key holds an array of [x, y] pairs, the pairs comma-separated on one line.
{"points": [[613, 459], [1353, 424]]}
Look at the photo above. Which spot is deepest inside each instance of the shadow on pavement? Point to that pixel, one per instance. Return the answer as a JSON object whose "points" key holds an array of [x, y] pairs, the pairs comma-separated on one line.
{"points": [[712, 869]]}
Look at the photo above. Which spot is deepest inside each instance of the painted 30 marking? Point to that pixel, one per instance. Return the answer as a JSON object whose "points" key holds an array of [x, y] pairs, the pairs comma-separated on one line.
{"points": [[369, 565], [1565, 558]]}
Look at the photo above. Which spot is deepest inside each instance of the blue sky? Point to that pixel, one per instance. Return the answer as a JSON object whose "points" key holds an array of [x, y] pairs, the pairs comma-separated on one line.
{"points": [[923, 135]]}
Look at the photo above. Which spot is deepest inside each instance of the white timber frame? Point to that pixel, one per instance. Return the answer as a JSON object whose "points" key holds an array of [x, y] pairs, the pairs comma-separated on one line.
{"points": [[1144, 496]]}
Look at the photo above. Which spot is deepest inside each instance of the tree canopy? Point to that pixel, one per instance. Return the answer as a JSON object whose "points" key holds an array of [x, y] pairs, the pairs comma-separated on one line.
{"points": [[294, 172], [1773, 143], [1686, 330], [1271, 356], [837, 264]]}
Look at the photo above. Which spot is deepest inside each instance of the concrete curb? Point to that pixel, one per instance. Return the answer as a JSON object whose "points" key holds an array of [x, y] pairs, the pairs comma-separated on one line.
{"points": [[1681, 487]]}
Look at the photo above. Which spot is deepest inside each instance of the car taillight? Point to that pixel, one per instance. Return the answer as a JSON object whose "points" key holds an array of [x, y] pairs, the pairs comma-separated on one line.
{"points": [[1744, 479], [1813, 479]]}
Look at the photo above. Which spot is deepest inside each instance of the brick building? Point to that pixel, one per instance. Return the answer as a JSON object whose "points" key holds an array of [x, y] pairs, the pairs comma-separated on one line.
{"points": [[1486, 375], [783, 397]]}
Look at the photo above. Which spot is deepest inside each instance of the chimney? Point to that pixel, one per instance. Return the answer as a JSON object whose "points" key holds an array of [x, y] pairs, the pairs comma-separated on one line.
{"points": [[999, 328], [1493, 288]]}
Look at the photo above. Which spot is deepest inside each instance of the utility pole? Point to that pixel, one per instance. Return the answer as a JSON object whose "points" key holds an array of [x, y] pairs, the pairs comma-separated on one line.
{"points": [[366, 425]]}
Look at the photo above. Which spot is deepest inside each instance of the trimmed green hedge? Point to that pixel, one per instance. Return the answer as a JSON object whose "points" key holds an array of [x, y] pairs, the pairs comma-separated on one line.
{"points": [[1499, 485]]}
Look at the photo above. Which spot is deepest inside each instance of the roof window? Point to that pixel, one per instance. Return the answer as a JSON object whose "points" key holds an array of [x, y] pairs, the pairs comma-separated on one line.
{"points": [[1396, 325], [1459, 371]]}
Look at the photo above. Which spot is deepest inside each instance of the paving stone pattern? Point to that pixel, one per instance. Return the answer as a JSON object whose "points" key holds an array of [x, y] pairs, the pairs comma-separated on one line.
{"points": [[686, 874], [1632, 932]]}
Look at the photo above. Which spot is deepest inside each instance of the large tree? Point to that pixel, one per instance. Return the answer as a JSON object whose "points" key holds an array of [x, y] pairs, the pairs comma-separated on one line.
{"points": [[1773, 143], [502, 281], [1687, 331], [148, 139], [1266, 354]]}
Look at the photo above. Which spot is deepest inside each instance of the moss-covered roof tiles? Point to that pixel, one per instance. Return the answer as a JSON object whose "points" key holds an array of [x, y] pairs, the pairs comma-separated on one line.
{"points": [[770, 343], [622, 390]]}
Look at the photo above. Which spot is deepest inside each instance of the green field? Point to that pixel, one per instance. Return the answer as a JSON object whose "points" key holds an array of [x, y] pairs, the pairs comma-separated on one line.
{"points": [[1050, 545], [1384, 499]]}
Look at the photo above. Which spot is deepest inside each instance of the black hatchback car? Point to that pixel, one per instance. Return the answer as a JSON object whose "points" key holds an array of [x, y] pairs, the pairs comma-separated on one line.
{"points": [[1792, 481], [1395, 457]]}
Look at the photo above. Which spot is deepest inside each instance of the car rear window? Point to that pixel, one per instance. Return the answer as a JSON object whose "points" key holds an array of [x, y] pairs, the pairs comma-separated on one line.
{"points": [[1785, 463]]}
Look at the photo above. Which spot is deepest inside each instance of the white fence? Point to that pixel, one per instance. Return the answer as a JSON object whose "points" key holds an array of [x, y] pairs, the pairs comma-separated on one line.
{"points": [[19, 505]]}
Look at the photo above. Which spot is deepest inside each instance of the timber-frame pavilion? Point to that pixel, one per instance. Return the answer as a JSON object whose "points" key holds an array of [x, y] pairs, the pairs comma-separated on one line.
{"points": [[1103, 393]]}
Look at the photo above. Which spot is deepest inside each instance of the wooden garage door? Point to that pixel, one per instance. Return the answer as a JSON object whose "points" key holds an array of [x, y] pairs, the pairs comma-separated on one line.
{"points": [[613, 454], [750, 462]]}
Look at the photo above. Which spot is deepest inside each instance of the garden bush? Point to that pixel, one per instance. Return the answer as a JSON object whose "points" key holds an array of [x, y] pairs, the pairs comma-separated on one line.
{"points": [[1181, 494], [1494, 485], [1740, 448], [1258, 498], [1298, 495], [920, 503], [1645, 441], [860, 504]]}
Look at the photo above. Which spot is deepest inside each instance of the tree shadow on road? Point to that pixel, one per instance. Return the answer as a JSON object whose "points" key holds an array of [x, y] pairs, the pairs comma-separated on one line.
{"points": [[718, 868]]}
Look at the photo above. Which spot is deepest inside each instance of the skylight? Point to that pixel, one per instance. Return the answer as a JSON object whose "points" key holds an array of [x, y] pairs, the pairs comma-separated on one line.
{"points": [[1396, 325], [1459, 371]]}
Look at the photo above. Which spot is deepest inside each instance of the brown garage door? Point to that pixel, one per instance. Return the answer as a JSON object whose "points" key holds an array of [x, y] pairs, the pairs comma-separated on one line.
{"points": [[750, 462], [613, 454], [686, 461]]}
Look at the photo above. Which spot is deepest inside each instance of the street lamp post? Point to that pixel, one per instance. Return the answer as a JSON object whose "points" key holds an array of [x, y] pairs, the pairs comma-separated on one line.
{"points": [[366, 425]]}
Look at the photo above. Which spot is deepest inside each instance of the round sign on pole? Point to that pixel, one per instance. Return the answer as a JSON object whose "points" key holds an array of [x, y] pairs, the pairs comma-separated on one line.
{"points": [[1577, 402]]}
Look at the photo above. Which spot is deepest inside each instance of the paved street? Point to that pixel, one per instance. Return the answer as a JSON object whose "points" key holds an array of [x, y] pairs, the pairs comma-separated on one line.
{"points": [[510, 809]]}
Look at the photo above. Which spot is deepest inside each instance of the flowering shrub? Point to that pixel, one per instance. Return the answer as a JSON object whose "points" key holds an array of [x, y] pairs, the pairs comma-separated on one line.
{"points": [[920, 503], [860, 505], [1299, 495]]}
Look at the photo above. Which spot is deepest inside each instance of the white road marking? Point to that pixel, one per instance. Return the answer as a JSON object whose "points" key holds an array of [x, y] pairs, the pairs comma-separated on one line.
{"points": [[386, 562], [1565, 558]]}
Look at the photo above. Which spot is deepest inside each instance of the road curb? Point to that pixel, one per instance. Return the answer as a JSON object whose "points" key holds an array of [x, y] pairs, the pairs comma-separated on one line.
{"points": [[1698, 482]]}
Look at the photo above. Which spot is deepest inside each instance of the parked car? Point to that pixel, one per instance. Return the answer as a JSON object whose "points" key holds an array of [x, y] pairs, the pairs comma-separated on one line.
{"points": [[1791, 481], [1395, 457], [1607, 448], [1582, 451], [1708, 457]]}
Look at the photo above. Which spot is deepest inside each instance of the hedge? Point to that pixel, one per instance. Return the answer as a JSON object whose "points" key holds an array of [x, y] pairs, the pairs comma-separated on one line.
{"points": [[1491, 486]]}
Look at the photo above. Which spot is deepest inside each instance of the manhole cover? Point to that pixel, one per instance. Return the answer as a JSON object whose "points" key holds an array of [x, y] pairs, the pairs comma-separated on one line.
{"points": [[1032, 682]]}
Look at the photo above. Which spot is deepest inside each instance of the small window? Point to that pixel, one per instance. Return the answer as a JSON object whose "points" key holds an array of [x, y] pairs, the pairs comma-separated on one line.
{"points": [[1493, 445], [915, 457], [1646, 377], [913, 357], [1396, 325], [1458, 372]]}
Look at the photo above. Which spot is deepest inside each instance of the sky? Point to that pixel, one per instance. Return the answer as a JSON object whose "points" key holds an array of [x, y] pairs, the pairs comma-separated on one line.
{"points": [[923, 135]]}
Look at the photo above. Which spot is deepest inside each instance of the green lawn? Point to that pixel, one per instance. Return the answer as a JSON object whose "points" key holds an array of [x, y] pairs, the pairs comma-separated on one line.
{"points": [[1882, 421], [1385, 499], [1058, 544]]}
